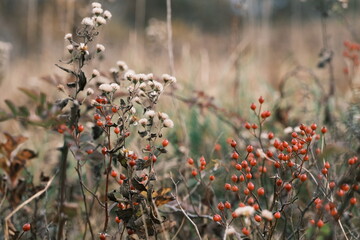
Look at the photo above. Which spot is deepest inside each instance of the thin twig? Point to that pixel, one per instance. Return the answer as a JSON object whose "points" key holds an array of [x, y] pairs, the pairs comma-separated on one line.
{"points": [[182, 210]]}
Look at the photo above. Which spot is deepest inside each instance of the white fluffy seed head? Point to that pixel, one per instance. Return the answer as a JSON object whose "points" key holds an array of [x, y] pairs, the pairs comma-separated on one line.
{"points": [[87, 22], [89, 91], [129, 75], [68, 36], [143, 121], [100, 48], [107, 14], [97, 11], [100, 20], [162, 116], [150, 113], [115, 86], [168, 123], [96, 5], [122, 65], [105, 87], [70, 48], [267, 214], [95, 73], [245, 211]]}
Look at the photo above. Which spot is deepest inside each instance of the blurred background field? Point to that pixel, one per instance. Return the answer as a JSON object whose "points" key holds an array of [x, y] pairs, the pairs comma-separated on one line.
{"points": [[234, 51]]}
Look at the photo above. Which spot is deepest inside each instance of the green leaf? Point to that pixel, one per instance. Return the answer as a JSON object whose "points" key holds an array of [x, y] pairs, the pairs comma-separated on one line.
{"points": [[24, 112], [12, 107], [31, 94]]}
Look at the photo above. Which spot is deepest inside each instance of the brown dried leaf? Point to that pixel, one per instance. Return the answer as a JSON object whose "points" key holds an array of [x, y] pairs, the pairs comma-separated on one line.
{"points": [[11, 144]]}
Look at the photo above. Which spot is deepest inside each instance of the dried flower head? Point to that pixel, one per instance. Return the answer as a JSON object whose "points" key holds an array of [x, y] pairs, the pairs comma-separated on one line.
{"points": [[162, 116], [137, 100], [100, 20], [168, 123], [115, 86], [245, 211], [105, 87], [96, 5], [113, 70], [168, 78], [141, 77], [150, 113], [142, 86], [60, 88], [97, 11], [158, 86], [95, 73], [129, 75], [100, 48], [267, 214], [89, 91], [150, 76], [107, 14], [68, 36], [122, 66], [70, 48], [143, 122], [87, 22]]}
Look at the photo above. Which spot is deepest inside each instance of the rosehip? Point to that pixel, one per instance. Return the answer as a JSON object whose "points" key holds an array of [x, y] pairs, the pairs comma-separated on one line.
{"points": [[26, 227]]}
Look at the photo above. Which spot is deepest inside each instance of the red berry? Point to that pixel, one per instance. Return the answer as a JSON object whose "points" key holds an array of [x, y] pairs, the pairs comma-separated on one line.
{"points": [[234, 215], [117, 219], [345, 187], [247, 126], [327, 165], [80, 128], [89, 151], [250, 186], [245, 231], [132, 162], [233, 143], [221, 206], [227, 205], [313, 126], [257, 218], [165, 142], [217, 218], [99, 123], [332, 185], [320, 223], [238, 167], [113, 173], [212, 178], [270, 135], [116, 130], [114, 109], [234, 178], [97, 116], [261, 100], [249, 176], [234, 155], [312, 221], [227, 186], [102, 236], [294, 135], [323, 130], [340, 193], [261, 191], [190, 161], [353, 201], [277, 215], [104, 150], [303, 177], [122, 176], [249, 149], [234, 188], [194, 172], [324, 171], [26, 227], [253, 106], [288, 187]]}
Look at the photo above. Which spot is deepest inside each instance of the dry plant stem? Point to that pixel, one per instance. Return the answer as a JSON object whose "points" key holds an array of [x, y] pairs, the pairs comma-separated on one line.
{"points": [[62, 180], [182, 210], [179, 229], [3, 200], [169, 36], [94, 195], [107, 169], [36, 195], [78, 170]]}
